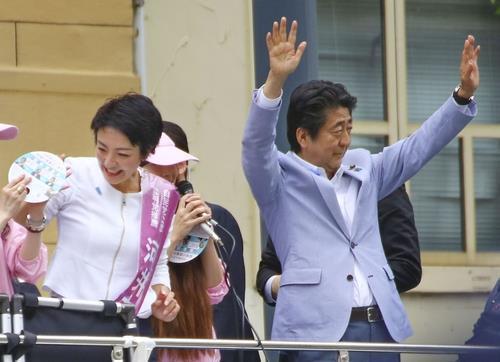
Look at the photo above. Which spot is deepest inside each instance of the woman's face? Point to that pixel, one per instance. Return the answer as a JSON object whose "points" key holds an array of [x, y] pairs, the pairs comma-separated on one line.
{"points": [[118, 159], [173, 173]]}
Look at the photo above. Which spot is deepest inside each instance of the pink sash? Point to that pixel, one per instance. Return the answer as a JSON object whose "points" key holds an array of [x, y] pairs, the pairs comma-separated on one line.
{"points": [[159, 202]]}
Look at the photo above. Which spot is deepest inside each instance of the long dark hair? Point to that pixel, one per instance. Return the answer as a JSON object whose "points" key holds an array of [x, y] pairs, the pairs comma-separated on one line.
{"points": [[189, 284], [195, 316]]}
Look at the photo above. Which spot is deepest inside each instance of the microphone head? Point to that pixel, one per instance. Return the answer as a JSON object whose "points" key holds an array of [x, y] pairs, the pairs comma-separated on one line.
{"points": [[184, 187]]}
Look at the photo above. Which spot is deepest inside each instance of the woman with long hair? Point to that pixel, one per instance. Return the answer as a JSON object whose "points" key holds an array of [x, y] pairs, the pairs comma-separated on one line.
{"points": [[197, 283]]}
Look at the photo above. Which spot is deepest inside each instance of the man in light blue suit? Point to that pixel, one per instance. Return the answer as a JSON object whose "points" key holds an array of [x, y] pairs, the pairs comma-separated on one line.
{"points": [[319, 202]]}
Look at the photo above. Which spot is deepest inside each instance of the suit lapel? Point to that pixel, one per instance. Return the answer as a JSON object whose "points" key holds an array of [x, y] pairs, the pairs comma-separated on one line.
{"points": [[359, 174], [327, 192]]}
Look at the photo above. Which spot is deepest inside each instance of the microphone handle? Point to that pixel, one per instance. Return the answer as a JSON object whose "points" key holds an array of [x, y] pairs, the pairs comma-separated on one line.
{"points": [[185, 187], [211, 232]]}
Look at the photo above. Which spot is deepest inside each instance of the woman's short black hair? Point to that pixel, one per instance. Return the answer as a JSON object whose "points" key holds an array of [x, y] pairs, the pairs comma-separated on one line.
{"points": [[308, 105], [135, 116]]}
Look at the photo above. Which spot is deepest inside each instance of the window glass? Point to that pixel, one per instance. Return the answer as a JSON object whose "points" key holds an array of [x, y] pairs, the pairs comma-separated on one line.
{"points": [[435, 32], [374, 144], [350, 52], [436, 195], [487, 193]]}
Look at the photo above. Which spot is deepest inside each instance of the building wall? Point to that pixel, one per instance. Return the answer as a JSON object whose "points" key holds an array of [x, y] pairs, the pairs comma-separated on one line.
{"points": [[441, 319], [60, 60], [199, 72]]}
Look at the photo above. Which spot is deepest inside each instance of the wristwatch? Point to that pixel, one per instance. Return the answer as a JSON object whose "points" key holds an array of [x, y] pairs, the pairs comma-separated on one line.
{"points": [[461, 100], [36, 226]]}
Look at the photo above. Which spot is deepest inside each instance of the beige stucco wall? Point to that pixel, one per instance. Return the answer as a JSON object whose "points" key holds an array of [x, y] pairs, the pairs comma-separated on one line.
{"points": [[199, 72], [441, 319], [60, 60]]}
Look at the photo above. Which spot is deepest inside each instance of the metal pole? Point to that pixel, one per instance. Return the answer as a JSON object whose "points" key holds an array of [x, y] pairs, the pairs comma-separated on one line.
{"points": [[321, 346], [253, 345]]}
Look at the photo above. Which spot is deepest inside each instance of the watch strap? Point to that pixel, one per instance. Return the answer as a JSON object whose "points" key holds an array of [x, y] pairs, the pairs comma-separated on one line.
{"points": [[461, 100]]}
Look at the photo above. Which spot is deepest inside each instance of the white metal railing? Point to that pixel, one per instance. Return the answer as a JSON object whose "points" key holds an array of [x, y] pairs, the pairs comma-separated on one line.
{"points": [[142, 346]]}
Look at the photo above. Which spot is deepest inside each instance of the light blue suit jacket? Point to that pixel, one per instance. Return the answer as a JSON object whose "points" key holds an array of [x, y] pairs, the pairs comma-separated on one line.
{"points": [[315, 247]]}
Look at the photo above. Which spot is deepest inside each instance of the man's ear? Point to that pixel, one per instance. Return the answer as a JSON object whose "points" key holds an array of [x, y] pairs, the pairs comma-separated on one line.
{"points": [[302, 137]]}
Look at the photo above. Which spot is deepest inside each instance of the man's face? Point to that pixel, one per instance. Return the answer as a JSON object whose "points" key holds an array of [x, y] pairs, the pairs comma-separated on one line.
{"points": [[331, 142]]}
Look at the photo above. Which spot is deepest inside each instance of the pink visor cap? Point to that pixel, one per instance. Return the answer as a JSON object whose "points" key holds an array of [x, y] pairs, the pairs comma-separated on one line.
{"points": [[7, 131], [166, 154]]}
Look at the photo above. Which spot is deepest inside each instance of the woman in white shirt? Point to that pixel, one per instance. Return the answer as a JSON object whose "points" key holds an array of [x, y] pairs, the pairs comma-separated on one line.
{"points": [[114, 218]]}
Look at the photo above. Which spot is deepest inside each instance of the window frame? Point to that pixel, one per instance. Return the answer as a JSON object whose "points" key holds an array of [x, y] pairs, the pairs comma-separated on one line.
{"points": [[395, 24]]}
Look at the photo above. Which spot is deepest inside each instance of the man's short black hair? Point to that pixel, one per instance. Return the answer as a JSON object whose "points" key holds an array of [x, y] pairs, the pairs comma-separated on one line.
{"points": [[308, 105], [135, 116]]}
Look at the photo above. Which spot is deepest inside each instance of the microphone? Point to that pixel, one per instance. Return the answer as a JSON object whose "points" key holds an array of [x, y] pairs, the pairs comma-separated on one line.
{"points": [[185, 187]]}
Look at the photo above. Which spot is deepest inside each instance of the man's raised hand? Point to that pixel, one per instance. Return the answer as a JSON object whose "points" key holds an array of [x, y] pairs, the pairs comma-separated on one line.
{"points": [[284, 57], [469, 70]]}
